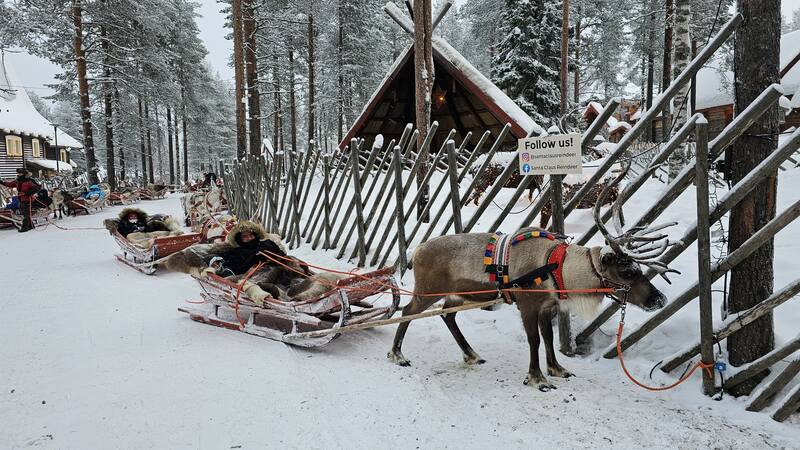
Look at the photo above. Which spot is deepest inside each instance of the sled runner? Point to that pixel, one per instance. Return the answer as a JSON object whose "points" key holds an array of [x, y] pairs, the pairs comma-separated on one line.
{"points": [[346, 304], [146, 260]]}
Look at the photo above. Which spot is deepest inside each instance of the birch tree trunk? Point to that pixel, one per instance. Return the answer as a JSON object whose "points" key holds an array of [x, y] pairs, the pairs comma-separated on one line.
{"points": [[238, 69], [121, 152], [251, 72], [683, 53], [756, 59], [423, 83], [177, 150], [83, 91]]}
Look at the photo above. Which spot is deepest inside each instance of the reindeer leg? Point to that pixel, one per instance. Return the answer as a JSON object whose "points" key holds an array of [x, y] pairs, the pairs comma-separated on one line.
{"points": [[417, 305], [546, 329], [530, 321], [470, 356]]}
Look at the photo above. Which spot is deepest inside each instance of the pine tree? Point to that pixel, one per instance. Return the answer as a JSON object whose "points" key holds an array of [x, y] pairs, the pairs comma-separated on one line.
{"points": [[526, 65]]}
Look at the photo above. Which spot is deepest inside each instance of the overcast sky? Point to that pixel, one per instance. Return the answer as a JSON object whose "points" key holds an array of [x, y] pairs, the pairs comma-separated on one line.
{"points": [[35, 72]]}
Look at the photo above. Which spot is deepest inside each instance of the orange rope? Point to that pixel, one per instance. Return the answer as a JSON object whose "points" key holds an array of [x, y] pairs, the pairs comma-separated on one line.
{"points": [[239, 287], [700, 365]]}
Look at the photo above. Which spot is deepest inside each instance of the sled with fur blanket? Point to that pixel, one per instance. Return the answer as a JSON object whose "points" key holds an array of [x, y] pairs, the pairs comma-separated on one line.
{"points": [[346, 301], [145, 258]]}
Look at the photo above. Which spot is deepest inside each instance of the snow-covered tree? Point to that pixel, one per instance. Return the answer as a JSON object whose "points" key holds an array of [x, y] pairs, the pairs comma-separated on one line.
{"points": [[528, 57]]}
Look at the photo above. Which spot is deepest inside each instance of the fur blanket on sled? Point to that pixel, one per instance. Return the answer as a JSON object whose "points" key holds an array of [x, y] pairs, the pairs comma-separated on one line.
{"points": [[145, 229], [295, 283]]}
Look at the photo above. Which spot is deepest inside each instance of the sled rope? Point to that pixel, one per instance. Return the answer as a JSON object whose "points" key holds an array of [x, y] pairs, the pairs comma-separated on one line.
{"points": [[406, 292]]}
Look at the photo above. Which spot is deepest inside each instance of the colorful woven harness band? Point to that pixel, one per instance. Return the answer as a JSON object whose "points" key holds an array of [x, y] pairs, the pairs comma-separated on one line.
{"points": [[498, 251]]}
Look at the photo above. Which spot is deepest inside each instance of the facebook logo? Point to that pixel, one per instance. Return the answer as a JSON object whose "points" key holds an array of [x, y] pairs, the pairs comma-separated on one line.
{"points": [[526, 168]]}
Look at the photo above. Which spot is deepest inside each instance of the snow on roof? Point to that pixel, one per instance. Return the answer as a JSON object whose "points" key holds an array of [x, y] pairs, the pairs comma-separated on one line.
{"points": [[714, 86], [637, 115], [620, 125], [790, 47], [612, 121], [50, 164], [17, 114], [498, 96]]}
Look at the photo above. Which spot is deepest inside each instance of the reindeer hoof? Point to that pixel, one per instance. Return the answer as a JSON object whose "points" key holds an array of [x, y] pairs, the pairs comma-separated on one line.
{"points": [[398, 358], [559, 372], [473, 360], [546, 387]]}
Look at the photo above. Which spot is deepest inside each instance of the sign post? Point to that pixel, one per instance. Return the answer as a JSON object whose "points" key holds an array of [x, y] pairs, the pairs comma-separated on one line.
{"points": [[555, 156]]}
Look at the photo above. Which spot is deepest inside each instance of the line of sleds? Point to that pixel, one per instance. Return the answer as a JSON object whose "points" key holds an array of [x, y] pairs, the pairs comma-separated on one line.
{"points": [[344, 302]]}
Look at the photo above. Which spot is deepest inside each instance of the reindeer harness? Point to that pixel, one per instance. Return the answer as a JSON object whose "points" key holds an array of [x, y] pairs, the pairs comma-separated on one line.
{"points": [[498, 252]]}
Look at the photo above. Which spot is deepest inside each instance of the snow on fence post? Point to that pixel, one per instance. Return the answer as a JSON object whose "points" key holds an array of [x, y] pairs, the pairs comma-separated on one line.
{"points": [[754, 368], [658, 104], [454, 193], [732, 260], [308, 184], [496, 187], [734, 324], [362, 252], [704, 253], [475, 153], [789, 405], [294, 227], [766, 394], [401, 220]]}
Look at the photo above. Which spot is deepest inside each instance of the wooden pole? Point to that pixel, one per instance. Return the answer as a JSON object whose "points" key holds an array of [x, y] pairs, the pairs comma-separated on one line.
{"points": [[362, 251], [455, 197], [789, 405], [326, 204], [704, 254], [765, 395], [401, 220], [758, 366]]}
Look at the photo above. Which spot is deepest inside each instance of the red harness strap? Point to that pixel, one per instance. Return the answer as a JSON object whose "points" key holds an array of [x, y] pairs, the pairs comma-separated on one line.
{"points": [[557, 256]]}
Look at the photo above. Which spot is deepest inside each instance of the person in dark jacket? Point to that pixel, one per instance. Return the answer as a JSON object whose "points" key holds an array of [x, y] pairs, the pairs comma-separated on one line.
{"points": [[209, 180], [134, 220], [27, 189], [243, 246]]}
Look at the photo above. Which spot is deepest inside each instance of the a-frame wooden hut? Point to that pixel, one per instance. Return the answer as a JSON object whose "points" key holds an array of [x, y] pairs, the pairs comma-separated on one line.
{"points": [[463, 100]]}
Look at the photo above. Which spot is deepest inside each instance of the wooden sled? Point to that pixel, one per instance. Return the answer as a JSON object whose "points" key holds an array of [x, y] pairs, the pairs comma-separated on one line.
{"points": [[123, 198], [148, 194], [146, 260], [81, 205], [342, 306], [9, 218]]}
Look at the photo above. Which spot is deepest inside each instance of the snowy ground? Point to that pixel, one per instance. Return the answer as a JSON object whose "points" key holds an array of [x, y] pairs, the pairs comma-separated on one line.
{"points": [[95, 355]]}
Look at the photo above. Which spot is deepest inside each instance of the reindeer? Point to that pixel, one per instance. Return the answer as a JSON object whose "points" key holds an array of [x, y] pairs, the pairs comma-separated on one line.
{"points": [[454, 263]]}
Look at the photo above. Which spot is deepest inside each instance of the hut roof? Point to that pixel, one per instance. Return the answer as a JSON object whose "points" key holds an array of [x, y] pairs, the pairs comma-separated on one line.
{"points": [[463, 100]]}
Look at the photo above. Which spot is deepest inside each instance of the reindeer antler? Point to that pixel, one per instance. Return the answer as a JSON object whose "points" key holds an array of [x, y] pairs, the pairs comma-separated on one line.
{"points": [[640, 244]]}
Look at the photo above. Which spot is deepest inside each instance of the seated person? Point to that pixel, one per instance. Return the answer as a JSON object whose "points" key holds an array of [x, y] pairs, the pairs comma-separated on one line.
{"points": [[13, 204], [140, 228], [94, 193], [244, 243]]}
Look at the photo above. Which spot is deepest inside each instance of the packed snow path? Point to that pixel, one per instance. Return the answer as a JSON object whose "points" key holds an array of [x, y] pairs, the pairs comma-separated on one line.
{"points": [[95, 355]]}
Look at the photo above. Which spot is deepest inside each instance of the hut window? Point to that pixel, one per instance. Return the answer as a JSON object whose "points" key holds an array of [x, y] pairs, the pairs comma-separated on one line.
{"points": [[13, 146], [36, 148], [62, 155]]}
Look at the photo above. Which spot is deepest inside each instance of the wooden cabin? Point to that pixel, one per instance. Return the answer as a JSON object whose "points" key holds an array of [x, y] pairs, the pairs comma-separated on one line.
{"points": [[26, 137], [463, 100]]}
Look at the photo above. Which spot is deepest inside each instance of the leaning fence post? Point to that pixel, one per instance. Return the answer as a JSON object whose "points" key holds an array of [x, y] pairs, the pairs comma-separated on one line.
{"points": [[326, 204], [362, 252], [401, 220], [704, 254], [557, 204], [455, 198]]}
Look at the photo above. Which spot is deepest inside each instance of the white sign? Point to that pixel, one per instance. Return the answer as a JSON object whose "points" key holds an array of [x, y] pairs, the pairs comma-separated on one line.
{"points": [[552, 155]]}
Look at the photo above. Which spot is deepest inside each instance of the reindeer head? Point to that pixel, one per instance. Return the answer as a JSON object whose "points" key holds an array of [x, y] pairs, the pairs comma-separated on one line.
{"points": [[627, 251]]}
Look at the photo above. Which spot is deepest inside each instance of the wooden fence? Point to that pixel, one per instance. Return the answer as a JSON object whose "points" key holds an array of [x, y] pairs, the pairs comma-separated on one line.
{"points": [[362, 203]]}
